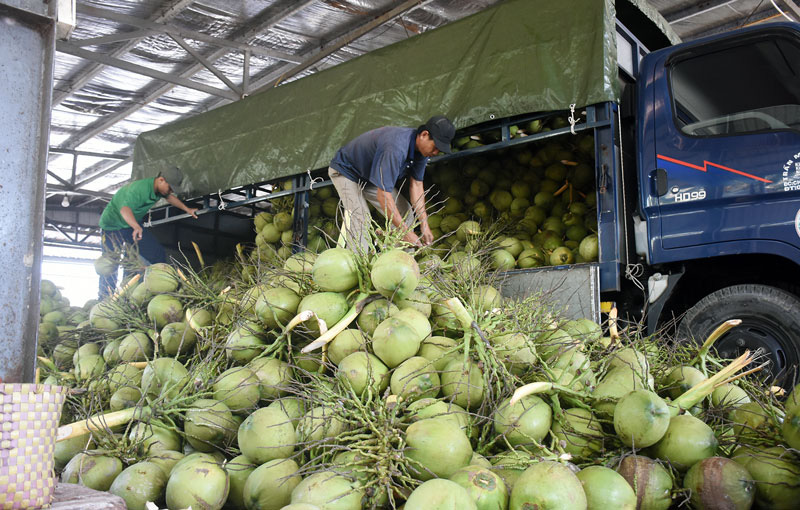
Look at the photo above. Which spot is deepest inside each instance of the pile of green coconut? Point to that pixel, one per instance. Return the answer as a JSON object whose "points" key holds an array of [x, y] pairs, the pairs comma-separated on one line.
{"points": [[394, 379]]}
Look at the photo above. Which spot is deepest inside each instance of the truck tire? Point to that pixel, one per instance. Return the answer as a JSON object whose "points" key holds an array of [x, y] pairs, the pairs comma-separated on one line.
{"points": [[770, 321]]}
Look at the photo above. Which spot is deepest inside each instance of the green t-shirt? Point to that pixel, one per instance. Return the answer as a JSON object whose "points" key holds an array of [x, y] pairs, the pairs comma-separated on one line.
{"points": [[138, 195]]}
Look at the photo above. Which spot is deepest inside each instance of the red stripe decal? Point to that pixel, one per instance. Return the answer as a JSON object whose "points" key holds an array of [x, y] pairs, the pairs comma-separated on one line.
{"points": [[715, 165]]}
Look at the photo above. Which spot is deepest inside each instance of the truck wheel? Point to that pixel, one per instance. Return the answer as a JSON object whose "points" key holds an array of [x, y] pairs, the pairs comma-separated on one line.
{"points": [[770, 321]]}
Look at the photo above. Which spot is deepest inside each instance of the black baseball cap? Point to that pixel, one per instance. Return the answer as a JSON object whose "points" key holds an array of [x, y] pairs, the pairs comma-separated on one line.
{"points": [[174, 178], [442, 131]]}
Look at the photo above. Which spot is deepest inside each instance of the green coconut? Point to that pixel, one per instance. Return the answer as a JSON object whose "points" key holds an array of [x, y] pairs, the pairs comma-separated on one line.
{"points": [[136, 346], [239, 470], [47, 332], [124, 397], [606, 489], [274, 377], [275, 307], [374, 313], [680, 379], [439, 494], [154, 437], [124, 375], [433, 408], [270, 485], [104, 265], [418, 300], [198, 318], [650, 480], [416, 320], [440, 350], [688, 440], [267, 434], [579, 431], [717, 482], [111, 351], [776, 473], [95, 469], [177, 338], [139, 483], [516, 351], [302, 262], [102, 316], [791, 428], [140, 295], [163, 309], [641, 419], [395, 274], [89, 367], [395, 340], [328, 491], [618, 382], [160, 278], [166, 460], [208, 425], [331, 307], [415, 378], [729, 395], [630, 358], [63, 353], [463, 383], [485, 487], [238, 388], [319, 424], [525, 422], [550, 485], [164, 376], [197, 484], [245, 342], [335, 270], [294, 407], [362, 370], [345, 343], [66, 449], [436, 448]]}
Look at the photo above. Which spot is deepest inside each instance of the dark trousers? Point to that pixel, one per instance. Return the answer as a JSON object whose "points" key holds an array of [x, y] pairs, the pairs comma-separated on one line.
{"points": [[149, 249]]}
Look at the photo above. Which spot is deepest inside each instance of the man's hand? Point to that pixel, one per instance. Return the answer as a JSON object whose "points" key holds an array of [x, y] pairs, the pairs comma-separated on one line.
{"points": [[427, 235], [192, 211], [412, 238], [137, 233]]}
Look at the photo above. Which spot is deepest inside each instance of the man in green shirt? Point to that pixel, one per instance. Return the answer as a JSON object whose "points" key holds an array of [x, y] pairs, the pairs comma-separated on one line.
{"points": [[120, 221]]}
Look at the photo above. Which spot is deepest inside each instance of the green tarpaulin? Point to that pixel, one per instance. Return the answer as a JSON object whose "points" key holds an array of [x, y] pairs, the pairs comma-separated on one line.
{"points": [[518, 57]]}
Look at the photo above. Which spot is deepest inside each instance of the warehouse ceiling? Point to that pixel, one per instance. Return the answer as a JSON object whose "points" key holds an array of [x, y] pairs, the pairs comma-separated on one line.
{"points": [[131, 66]]}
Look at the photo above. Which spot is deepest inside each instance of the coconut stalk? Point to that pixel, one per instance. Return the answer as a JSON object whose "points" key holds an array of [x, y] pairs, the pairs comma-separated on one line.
{"points": [[100, 422], [541, 387], [702, 354], [706, 387], [361, 301], [199, 254]]}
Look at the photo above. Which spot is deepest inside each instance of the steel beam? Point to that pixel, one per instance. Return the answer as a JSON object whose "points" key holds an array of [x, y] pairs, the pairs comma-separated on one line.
{"points": [[696, 10], [71, 49], [343, 41], [259, 26], [794, 7], [757, 17], [114, 38], [59, 150], [208, 65], [93, 69], [182, 33], [78, 191]]}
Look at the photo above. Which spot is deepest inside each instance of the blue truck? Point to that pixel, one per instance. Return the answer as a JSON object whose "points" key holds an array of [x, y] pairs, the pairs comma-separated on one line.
{"points": [[696, 146], [711, 191]]}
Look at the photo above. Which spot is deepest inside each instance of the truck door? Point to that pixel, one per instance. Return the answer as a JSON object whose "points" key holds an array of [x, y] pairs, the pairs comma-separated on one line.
{"points": [[727, 146]]}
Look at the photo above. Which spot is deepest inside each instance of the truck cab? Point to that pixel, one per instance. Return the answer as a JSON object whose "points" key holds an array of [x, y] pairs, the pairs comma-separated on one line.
{"points": [[718, 162]]}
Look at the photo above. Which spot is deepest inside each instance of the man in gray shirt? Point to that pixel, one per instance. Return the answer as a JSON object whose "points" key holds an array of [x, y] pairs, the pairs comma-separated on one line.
{"points": [[372, 166]]}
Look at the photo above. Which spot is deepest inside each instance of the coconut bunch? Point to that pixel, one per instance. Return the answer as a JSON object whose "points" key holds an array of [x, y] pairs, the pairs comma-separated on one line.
{"points": [[541, 195], [366, 380], [274, 229]]}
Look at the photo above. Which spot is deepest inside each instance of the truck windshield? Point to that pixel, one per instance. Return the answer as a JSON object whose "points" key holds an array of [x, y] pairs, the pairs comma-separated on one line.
{"points": [[754, 87]]}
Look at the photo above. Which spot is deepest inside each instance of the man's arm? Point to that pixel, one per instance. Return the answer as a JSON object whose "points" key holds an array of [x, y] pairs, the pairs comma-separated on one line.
{"points": [[127, 215], [416, 192], [389, 206], [191, 211]]}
